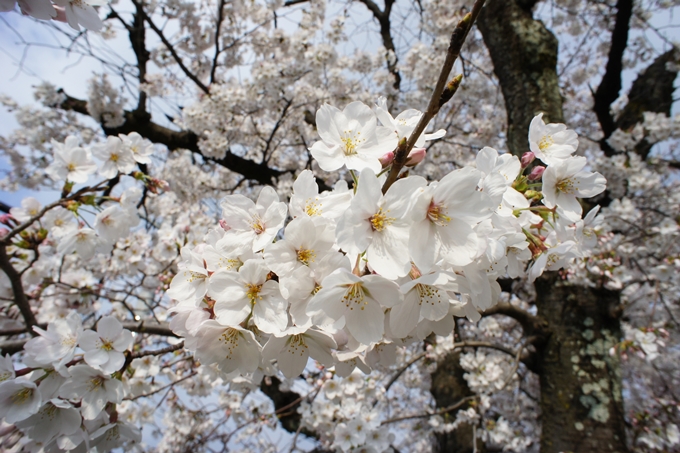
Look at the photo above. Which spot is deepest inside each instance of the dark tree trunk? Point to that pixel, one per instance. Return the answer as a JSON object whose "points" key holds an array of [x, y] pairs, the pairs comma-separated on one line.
{"points": [[581, 405], [448, 387], [524, 55]]}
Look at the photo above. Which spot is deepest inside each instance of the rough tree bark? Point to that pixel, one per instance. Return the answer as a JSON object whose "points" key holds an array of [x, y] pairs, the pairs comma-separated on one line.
{"points": [[580, 383], [524, 54], [448, 387], [581, 404]]}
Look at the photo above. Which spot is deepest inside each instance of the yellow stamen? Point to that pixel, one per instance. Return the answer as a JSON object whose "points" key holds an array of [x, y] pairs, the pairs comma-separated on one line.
{"points": [[355, 297], [253, 292], [546, 142], [380, 221], [306, 256], [437, 214]]}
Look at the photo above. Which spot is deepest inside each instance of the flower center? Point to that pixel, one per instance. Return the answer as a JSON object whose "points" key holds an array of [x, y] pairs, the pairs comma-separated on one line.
{"points": [[546, 142], [306, 256], [194, 276], [257, 225], [22, 396], [436, 213], [428, 294], [230, 264], [297, 345], [354, 297], [552, 259], [230, 340], [565, 186], [253, 292], [106, 345], [312, 208], [114, 157], [351, 142], [96, 383], [380, 221]]}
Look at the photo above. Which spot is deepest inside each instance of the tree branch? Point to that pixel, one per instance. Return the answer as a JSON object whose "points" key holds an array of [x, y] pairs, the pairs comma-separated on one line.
{"points": [[453, 407], [141, 123], [439, 96], [532, 325], [218, 25], [174, 54], [383, 18], [11, 347], [610, 86], [20, 299], [652, 91]]}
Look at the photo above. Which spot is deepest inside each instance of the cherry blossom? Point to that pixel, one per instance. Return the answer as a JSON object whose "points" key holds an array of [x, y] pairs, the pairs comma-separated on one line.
{"points": [[71, 162], [351, 138], [104, 348]]}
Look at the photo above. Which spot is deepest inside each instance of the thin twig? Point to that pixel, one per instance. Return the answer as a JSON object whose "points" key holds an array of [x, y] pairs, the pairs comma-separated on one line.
{"points": [[160, 389], [174, 54], [20, 299], [457, 40], [172, 348], [453, 407]]}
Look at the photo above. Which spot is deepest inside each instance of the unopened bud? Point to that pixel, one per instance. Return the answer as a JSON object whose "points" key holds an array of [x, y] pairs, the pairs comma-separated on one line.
{"points": [[536, 173], [415, 157], [156, 185], [450, 89], [527, 159], [7, 219], [223, 224], [387, 159], [533, 195], [464, 23]]}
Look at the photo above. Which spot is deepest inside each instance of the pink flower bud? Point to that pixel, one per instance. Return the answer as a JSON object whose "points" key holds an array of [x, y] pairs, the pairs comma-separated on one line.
{"points": [[527, 159], [536, 173], [223, 224], [7, 219], [387, 159], [415, 157]]}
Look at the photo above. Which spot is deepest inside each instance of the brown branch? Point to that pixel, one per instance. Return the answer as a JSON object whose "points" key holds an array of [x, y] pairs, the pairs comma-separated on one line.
{"points": [[532, 325], [20, 299], [11, 347], [174, 54], [137, 34], [652, 91], [218, 25], [401, 371], [453, 407], [141, 123], [610, 86], [383, 18], [457, 40], [19, 228], [172, 348], [160, 389]]}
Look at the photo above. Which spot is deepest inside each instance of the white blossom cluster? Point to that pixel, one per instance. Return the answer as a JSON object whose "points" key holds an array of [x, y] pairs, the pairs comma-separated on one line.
{"points": [[66, 395], [356, 270], [76, 13]]}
